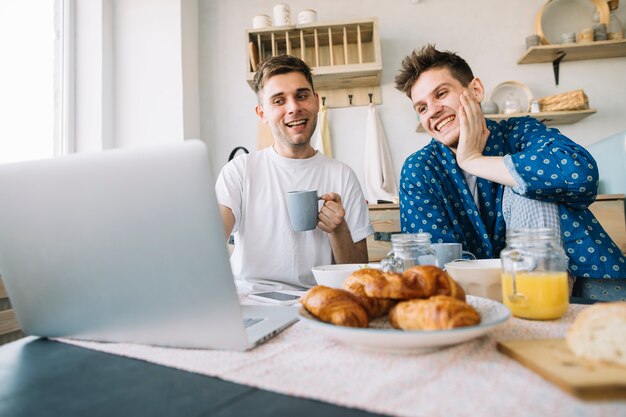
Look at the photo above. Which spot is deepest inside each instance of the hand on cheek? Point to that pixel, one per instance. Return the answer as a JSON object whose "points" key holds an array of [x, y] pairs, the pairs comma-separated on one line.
{"points": [[473, 129]]}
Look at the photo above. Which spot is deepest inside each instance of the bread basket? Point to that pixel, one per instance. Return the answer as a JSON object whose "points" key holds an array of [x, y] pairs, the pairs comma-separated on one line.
{"points": [[572, 100]]}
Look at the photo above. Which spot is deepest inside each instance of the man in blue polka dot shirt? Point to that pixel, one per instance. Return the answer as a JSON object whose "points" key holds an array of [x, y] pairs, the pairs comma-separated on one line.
{"points": [[478, 176]]}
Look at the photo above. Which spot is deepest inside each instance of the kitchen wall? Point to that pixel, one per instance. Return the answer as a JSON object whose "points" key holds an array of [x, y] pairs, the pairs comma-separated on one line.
{"points": [[489, 34], [136, 73]]}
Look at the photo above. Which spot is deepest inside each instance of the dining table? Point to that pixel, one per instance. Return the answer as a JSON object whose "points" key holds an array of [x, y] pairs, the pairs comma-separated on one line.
{"points": [[301, 371]]}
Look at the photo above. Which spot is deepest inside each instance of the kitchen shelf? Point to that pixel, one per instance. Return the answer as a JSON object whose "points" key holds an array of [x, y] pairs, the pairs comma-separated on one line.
{"points": [[549, 118], [574, 51], [344, 56]]}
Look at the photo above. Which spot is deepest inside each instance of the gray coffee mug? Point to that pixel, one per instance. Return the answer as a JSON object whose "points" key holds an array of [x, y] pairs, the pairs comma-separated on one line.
{"points": [[532, 40], [303, 209], [448, 252]]}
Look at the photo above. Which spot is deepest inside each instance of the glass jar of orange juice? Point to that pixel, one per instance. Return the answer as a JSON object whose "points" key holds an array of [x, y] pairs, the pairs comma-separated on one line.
{"points": [[534, 274]]}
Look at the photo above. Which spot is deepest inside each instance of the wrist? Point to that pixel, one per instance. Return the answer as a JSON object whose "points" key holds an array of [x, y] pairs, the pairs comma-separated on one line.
{"points": [[467, 163]]}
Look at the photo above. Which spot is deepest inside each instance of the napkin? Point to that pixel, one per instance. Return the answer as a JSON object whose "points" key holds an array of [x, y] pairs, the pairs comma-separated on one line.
{"points": [[322, 142], [380, 178]]}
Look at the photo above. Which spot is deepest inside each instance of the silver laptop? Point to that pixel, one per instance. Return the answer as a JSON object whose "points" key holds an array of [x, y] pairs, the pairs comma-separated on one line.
{"points": [[125, 246]]}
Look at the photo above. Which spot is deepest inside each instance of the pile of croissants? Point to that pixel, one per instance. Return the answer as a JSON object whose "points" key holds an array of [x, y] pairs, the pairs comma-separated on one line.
{"points": [[423, 297]]}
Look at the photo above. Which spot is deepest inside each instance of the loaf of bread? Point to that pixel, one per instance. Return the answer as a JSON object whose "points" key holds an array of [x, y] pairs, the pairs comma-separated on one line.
{"points": [[435, 313], [336, 306], [599, 333]]}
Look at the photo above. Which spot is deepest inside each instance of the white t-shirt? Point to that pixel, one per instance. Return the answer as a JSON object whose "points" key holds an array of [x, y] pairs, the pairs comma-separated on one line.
{"points": [[472, 184], [254, 187]]}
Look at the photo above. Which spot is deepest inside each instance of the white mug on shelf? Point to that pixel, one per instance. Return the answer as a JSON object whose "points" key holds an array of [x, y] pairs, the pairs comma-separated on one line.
{"points": [[261, 21], [282, 14], [307, 16]]}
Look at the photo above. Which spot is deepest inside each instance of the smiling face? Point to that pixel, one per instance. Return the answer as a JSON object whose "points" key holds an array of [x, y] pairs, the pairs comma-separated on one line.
{"points": [[289, 106], [436, 99]]}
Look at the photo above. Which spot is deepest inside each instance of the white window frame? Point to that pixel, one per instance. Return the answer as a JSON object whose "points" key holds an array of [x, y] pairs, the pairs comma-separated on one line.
{"points": [[64, 78]]}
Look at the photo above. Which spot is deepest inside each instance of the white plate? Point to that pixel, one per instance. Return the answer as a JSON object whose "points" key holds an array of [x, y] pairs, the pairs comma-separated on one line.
{"points": [[558, 17], [388, 339], [514, 88]]}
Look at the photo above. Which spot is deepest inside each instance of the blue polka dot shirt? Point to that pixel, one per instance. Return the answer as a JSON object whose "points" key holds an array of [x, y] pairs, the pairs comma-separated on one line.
{"points": [[435, 198]]}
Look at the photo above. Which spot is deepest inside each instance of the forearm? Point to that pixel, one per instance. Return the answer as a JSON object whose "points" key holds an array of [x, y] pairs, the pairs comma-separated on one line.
{"points": [[549, 166], [228, 219], [555, 177], [345, 250], [491, 168]]}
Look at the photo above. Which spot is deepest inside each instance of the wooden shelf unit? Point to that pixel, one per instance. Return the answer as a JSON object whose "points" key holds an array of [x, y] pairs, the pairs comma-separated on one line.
{"points": [[549, 118], [342, 55], [574, 51]]}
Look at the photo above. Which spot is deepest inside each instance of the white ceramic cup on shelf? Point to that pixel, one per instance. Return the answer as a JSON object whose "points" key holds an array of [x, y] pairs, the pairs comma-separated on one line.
{"points": [[261, 21], [282, 14], [307, 16]]}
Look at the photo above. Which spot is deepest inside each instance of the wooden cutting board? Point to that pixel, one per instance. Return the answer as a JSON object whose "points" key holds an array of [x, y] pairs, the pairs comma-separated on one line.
{"points": [[552, 359]]}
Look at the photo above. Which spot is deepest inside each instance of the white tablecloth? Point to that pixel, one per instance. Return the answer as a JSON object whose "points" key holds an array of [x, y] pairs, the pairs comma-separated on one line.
{"points": [[471, 379]]}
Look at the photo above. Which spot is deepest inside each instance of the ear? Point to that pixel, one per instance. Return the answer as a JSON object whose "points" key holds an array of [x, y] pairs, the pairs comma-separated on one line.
{"points": [[259, 112], [477, 89]]}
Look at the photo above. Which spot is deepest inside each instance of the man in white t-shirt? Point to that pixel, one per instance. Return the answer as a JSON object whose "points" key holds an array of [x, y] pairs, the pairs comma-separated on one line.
{"points": [[251, 189]]}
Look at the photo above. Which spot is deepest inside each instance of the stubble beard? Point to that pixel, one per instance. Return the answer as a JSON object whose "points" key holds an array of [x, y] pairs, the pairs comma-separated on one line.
{"points": [[294, 141]]}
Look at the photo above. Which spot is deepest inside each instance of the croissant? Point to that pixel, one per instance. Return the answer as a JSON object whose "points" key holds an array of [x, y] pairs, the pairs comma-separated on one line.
{"points": [[336, 306], [444, 284], [421, 281], [435, 313], [355, 283]]}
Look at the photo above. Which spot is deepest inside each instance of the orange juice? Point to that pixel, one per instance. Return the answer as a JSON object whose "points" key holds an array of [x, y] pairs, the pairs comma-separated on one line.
{"points": [[546, 294]]}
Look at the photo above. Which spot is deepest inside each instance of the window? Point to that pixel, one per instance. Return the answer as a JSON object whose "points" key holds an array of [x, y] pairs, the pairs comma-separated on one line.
{"points": [[34, 79]]}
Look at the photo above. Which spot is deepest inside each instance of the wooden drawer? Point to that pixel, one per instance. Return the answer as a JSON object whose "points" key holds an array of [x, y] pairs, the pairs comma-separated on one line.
{"points": [[610, 211], [386, 221]]}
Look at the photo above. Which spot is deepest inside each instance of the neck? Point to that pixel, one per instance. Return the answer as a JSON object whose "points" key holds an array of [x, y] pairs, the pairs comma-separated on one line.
{"points": [[303, 152]]}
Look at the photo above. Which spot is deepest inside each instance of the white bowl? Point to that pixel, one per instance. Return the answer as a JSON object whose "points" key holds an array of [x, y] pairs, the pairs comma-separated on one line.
{"points": [[479, 277], [334, 275]]}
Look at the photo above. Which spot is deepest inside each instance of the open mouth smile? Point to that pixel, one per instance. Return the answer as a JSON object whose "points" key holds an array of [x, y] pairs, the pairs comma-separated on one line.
{"points": [[296, 123], [444, 122]]}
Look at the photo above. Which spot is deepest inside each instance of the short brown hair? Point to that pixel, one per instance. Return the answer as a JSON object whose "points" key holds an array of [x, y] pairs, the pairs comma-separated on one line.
{"points": [[281, 64], [427, 58]]}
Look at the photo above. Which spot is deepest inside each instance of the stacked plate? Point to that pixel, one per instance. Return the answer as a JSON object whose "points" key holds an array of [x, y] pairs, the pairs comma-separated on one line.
{"points": [[512, 97]]}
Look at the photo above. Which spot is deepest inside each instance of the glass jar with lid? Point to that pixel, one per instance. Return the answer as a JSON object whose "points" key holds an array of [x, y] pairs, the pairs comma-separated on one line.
{"points": [[512, 104], [534, 274], [407, 250]]}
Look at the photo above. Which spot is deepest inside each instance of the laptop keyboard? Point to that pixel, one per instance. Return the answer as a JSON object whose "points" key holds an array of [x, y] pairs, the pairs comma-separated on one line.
{"points": [[249, 322]]}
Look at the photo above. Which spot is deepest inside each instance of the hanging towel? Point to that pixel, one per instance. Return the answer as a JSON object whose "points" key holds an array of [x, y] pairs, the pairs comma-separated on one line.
{"points": [[380, 178], [322, 141]]}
